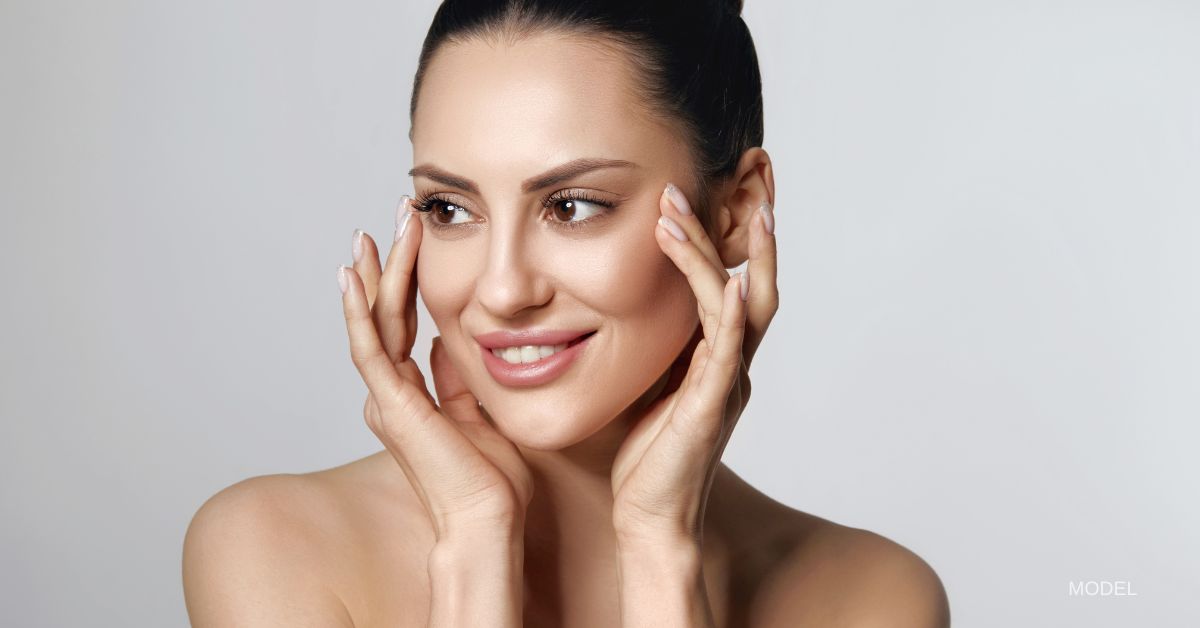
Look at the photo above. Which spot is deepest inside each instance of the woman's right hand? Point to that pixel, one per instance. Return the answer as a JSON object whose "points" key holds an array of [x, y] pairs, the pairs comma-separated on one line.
{"points": [[471, 479]]}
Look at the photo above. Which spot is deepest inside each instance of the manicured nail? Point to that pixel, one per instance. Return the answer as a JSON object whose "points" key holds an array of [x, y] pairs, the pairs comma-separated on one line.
{"points": [[745, 284], [357, 248], [678, 200], [343, 283], [402, 216], [768, 217], [673, 227]]}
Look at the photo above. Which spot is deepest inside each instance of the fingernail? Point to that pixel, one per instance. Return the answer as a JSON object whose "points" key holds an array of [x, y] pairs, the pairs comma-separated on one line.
{"points": [[678, 200], [342, 281], [402, 216], [745, 284], [357, 248], [768, 217], [673, 227]]}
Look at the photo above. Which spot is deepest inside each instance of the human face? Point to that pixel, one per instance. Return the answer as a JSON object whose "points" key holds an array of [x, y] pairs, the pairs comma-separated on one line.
{"points": [[495, 258]]}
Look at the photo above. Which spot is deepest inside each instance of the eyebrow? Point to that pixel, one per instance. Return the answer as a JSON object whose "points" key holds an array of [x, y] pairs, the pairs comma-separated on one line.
{"points": [[553, 176]]}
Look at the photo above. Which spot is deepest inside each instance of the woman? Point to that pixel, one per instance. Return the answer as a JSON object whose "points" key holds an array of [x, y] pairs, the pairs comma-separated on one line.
{"points": [[586, 172]]}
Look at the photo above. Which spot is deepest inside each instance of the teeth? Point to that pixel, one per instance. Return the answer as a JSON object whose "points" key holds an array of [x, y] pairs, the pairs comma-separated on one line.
{"points": [[527, 353]]}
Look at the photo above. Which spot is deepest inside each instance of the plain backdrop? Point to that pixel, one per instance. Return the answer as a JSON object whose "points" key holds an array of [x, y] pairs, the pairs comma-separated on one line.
{"points": [[988, 217]]}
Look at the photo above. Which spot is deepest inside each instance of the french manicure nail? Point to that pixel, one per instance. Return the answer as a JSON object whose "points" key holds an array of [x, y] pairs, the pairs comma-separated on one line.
{"points": [[341, 276], [678, 200], [673, 227], [768, 217], [744, 284], [357, 244]]}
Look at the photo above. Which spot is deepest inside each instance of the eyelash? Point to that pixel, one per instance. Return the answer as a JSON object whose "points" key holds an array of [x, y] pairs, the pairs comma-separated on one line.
{"points": [[424, 203]]}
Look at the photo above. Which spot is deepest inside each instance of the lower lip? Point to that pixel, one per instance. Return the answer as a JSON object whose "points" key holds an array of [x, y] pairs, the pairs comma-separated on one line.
{"points": [[532, 373]]}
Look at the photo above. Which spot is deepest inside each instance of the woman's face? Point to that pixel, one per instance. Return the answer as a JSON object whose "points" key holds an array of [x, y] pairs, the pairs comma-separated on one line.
{"points": [[504, 252]]}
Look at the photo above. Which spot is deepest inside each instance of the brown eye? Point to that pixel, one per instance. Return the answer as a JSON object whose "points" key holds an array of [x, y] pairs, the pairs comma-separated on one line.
{"points": [[444, 213], [569, 210]]}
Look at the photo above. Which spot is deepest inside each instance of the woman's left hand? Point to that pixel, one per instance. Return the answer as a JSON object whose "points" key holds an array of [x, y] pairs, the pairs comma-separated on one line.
{"points": [[663, 471]]}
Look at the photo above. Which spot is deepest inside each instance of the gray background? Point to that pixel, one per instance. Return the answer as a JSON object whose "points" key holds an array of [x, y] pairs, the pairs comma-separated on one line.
{"points": [[986, 350]]}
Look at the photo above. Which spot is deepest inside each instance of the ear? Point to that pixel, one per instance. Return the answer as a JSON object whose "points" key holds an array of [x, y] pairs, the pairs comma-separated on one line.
{"points": [[751, 183]]}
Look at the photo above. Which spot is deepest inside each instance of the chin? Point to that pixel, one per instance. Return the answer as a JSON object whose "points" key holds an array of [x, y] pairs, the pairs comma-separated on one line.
{"points": [[548, 428]]}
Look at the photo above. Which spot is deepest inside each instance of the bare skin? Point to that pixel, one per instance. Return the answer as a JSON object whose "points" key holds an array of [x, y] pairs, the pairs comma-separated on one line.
{"points": [[350, 546], [354, 539]]}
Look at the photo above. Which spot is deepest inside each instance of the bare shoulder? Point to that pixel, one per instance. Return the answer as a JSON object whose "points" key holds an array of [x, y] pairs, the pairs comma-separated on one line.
{"points": [[249, 558], [844, 576], [288, 550], [808, 571]]}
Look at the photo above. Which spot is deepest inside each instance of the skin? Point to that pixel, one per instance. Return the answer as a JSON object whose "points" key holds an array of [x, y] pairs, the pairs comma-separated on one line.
{"points": [[589, 487]]}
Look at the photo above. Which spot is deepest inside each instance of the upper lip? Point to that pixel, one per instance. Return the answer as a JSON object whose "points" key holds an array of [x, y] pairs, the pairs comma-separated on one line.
{"points": [[502, 339]]}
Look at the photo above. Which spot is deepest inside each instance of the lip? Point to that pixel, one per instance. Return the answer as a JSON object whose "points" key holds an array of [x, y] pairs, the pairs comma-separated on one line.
{"points": [[504, 339], [534, 373]]}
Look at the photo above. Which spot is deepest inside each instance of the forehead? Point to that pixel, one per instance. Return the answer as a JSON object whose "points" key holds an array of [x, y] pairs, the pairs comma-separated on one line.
{"points": [[513, 108]]}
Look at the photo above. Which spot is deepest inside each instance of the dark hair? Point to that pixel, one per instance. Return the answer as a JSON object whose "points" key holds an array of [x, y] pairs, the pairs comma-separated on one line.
{"points": [[696, 61]]}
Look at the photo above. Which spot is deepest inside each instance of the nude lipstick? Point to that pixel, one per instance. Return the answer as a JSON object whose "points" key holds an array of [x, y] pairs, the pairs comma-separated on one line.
{"points": [[537, 372]]}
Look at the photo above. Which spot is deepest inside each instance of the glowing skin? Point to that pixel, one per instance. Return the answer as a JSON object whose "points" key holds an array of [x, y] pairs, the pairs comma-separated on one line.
{"points": [[356, 544], [509, 263]]}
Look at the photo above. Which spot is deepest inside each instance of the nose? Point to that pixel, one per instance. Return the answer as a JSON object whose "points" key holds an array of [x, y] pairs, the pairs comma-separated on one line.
{"points": [[513, 278]]}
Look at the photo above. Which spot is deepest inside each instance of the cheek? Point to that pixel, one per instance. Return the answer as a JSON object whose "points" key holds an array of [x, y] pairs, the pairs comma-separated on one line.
{"points": [[440, 290], [650, 311], [642, 287]]}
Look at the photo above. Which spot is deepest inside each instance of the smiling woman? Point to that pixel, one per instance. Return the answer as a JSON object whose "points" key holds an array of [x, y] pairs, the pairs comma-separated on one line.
{"points": [[585, 174]]}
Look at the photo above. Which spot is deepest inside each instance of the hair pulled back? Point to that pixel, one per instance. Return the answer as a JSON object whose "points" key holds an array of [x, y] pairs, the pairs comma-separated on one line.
{"points": [[696, 63]]}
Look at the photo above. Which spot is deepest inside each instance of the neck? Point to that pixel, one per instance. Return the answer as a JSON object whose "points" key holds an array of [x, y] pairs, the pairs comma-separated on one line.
{"points": [[569, 518]]}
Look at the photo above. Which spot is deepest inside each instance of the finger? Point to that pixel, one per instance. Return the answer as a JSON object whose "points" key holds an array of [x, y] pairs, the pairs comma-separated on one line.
{"points": [[682, 365], [762, 270], [410, 304], [456, 400], [706, 281], [405, 420], [366, 263], [367, 352], [675, 205], [689, 433], [725, 359], [390, 317]]}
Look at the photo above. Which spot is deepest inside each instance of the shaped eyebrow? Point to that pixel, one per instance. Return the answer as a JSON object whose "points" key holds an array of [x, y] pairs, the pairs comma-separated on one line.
{"points": [[553, 176]]}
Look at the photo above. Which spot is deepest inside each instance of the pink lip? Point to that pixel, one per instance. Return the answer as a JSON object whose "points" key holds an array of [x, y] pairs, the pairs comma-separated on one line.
{"points": [[531, 373], [502, 339]]}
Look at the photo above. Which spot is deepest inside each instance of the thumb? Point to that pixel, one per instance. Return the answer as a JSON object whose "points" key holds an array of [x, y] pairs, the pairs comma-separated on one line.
{"points": [[454, 397]]}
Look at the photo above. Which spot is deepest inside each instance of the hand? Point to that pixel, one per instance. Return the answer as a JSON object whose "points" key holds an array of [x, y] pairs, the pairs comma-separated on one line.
{"points": [[468, 476], [663, 471]]}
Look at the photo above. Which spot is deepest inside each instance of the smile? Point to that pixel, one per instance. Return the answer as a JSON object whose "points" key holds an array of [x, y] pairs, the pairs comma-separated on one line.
{"points": [[532, 365]]}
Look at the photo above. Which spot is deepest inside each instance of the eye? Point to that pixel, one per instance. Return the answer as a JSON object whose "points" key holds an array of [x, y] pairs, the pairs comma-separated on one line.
{"points": [[442, 212], [569, 209], [575, 210]]}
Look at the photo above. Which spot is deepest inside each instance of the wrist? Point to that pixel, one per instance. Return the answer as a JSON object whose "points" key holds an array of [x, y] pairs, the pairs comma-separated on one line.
{"points": [[662, 583], [659, 534], [459, 550], [674, 553], [476, 581], [490, 529]]}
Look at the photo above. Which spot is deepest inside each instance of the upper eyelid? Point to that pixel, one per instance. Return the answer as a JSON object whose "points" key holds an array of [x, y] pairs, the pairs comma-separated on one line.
{"points": [[546, 201]]}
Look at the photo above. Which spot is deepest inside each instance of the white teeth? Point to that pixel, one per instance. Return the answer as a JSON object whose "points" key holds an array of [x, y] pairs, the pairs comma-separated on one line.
{"points": [[527, 353]]}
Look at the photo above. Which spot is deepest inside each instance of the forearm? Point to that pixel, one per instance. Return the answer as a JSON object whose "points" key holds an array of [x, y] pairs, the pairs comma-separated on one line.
{"points": [[477, 583], [662, 585]]}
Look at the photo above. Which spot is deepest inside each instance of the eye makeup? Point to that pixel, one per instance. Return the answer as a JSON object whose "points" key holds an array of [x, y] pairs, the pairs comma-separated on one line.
{"points": [[437, 205]]}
